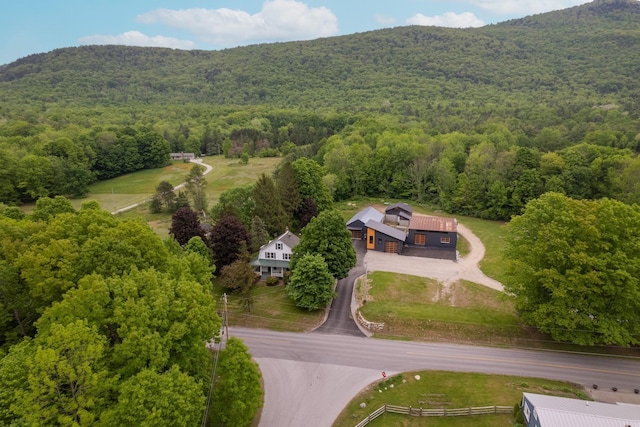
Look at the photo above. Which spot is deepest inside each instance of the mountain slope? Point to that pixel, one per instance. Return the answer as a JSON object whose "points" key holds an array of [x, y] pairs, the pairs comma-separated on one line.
{"points": [[586, 54]]}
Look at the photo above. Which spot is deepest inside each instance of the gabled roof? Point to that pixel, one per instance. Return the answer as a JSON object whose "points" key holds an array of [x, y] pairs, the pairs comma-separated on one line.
{"points": [[561, 411], [405, 207], [433, 223], [288, 238], [385, 229], [404, 215], [369, 213]]}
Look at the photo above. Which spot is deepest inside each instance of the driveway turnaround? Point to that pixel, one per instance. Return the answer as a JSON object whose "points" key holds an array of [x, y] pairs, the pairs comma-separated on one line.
{"points": [[443, 270]]}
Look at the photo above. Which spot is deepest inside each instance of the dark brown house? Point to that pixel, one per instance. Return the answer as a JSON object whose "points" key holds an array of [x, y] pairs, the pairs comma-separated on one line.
{"points": [[433, 232], [383, 238], [356, 225]]}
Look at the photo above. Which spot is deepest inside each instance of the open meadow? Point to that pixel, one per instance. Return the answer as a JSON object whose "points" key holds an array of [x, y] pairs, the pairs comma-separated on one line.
{"points": [[139, 187]]}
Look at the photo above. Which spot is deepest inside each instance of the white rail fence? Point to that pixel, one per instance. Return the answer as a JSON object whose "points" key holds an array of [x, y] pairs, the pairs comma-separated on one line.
{"points": [[419, 412]]}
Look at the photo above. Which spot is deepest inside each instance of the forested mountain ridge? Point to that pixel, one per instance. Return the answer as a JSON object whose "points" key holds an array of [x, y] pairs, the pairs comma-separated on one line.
{"points": [[475, 121], [586, 55]]}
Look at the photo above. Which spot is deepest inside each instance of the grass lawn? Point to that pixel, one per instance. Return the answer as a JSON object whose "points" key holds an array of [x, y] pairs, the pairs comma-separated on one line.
{"points": [[492, 234], [137, 187], [272, 309], [421, 308], [450, 390]]}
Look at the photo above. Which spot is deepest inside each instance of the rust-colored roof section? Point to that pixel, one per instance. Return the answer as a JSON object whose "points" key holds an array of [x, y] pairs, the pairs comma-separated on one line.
{"points": [[433, 223]]}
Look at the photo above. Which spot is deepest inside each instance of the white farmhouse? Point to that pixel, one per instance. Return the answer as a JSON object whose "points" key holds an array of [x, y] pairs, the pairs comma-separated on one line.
{"points": [[273, 259]]}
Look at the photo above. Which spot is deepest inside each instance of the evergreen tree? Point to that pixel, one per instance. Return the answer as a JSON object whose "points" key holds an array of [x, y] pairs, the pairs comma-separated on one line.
{"points": [[182, 201], [288, 191], [268, 206], [165, 194], [259, 234], [195, 184], [307, 211]]}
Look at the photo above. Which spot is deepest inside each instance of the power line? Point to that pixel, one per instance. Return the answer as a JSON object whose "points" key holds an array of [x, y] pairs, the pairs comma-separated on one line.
{"points": [[215, 365]]}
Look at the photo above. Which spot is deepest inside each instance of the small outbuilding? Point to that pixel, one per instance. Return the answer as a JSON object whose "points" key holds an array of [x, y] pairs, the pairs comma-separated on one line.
{"points": [[182, 156], [398, 213], [551, 411], [356, 225]]}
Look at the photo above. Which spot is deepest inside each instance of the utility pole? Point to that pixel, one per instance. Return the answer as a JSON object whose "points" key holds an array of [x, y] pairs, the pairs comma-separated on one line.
{"points": [[225, 318]]}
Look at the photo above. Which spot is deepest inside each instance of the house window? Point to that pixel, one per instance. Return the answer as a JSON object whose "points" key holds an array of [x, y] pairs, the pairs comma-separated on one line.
{"points": [[420, 239], [286, 256], [270, 255], [278, 246], [526, 411], [371, 240], [445, 240]]}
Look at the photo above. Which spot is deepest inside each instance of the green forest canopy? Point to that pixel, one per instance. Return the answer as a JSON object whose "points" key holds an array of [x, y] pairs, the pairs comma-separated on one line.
{"points": [[478, 121]]}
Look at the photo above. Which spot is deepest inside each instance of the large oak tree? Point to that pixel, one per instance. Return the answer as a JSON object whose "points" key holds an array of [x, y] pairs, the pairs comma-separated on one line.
{"points": [[574, 269]]}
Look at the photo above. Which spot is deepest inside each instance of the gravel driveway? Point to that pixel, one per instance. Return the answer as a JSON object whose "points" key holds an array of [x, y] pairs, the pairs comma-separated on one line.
{"points": [[445, 271]]}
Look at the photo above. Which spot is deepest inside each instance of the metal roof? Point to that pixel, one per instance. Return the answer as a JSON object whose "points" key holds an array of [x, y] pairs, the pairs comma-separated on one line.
{"points": [[405, 207], [433, 223], [385, 229], [555, 411], [269, 263], [367, 214]]}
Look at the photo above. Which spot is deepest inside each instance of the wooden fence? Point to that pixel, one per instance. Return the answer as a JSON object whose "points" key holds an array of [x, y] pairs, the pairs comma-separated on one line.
{"points": [[419, 412]]}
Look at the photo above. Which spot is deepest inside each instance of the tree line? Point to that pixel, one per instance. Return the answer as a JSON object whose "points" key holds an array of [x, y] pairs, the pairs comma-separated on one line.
{"points": [[103, 323]]}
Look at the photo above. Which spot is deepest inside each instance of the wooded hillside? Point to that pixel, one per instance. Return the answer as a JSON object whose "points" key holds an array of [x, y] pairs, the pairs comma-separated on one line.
{"points": [[585, 55], [476, 121]]}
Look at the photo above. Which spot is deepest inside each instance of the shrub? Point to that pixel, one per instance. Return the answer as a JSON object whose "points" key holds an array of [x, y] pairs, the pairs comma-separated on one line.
{"points": [[272, 280]]}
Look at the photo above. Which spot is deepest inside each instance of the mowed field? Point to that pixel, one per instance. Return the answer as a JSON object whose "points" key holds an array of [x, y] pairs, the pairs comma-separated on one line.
{"points": [[139, 187]]}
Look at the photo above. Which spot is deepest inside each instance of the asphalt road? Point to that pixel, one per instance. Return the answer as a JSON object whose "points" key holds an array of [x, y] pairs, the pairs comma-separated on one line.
{"points": [[309, 378]]}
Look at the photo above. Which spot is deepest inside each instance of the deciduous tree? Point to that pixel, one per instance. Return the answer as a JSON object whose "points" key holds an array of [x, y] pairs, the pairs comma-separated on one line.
{"points": [[238, 392], [326, 235], [228, 236], [575, 271], [311, 284], [185, 224]]}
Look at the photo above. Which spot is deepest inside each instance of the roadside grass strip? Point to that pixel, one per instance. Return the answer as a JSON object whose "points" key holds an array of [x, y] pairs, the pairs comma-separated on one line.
{"points": [[448, 390], [271, 309], [421, 308]]}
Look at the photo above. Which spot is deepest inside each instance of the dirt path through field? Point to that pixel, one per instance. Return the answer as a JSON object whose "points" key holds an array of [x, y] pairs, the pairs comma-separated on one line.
{"points": [[447, 272], [208, 169]]}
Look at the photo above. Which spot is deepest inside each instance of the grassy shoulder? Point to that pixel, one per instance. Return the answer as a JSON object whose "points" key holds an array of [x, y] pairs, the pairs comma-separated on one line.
{"points": [[424, 309], [271, 309], [450, 390]]}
